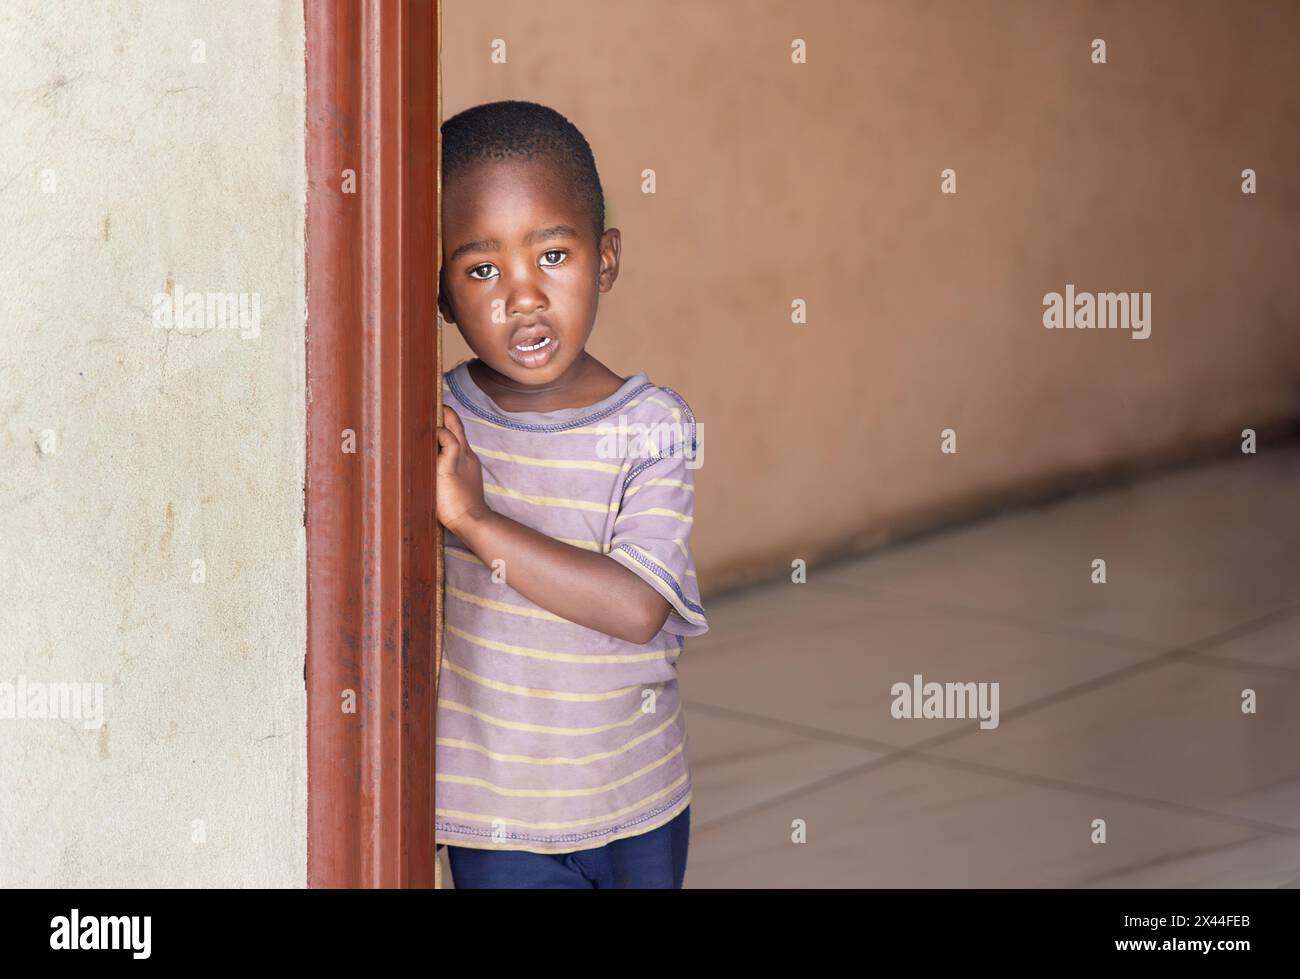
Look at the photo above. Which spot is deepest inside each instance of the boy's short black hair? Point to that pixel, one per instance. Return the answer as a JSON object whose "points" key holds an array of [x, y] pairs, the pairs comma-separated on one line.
{"points": [[524, 130]]}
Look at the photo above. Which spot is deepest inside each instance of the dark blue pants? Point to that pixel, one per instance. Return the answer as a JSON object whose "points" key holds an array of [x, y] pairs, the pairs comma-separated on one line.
{"points": [[653, 859]]}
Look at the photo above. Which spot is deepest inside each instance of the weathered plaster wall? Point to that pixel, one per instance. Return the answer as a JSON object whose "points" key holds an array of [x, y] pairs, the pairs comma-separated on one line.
{"points": [[128, 166]]}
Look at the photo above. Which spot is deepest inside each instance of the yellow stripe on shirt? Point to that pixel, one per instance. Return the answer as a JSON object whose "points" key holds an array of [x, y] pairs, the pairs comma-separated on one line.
{"points": [[510, 725], [549, 501], [560, 759], [573, 823], [494, 604], [563, 793], [657, 511], [604, 467], [539, 692], [660, 482], [546, 654]]}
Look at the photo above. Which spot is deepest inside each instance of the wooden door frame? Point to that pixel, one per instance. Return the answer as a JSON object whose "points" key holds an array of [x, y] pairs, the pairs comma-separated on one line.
{"points": [[374, 571]]}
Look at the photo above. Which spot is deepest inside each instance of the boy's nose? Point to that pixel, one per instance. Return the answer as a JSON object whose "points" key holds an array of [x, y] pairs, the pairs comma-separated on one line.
{"points": [[525, 300]]}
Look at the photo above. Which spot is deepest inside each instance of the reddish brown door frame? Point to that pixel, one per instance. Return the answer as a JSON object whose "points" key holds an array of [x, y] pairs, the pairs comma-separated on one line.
{"points": [[373, 366]]}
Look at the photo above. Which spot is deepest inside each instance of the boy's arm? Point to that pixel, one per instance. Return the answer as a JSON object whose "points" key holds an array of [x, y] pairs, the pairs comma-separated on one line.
{"points": [[575, 584], [590, 589]]}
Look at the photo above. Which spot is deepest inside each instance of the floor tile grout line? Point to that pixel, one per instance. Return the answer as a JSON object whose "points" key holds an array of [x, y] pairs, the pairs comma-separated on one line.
{"points": [[1032, 623], [1123, 673], [1181, 856], [894, 753], [706, 647], [1175, 655], [881, 596], [916, 751], [1087, 686], [1150, 802], [990, 771], [792, 727], [888, 601], [1226, 664]]}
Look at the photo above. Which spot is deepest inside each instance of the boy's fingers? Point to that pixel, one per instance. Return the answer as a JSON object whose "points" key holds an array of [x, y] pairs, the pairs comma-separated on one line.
{"points": [[452, 421], [447, 441]]}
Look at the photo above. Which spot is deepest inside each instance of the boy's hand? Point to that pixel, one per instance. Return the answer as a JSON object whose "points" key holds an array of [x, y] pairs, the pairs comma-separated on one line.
{"points": [[460, 476]]}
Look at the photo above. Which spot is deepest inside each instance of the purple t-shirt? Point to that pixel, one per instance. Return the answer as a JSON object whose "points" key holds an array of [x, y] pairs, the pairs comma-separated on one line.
{"points": [[553, 737]]}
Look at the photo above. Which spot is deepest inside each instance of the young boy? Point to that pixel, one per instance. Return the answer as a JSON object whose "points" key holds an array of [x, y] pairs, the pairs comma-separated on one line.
{"points": [[567, 494]]}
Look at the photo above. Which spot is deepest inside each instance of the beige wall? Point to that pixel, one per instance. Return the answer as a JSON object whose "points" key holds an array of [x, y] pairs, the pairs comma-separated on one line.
{"points": [[821, 181], [169, 446]]}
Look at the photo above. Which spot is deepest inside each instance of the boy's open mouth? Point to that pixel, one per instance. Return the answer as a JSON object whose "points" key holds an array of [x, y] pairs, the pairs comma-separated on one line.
{"points": [[532, 346]]}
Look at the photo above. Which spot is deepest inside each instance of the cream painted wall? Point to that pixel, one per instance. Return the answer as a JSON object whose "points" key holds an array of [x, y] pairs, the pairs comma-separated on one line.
{"points": [[821, 181], [131, 451]]}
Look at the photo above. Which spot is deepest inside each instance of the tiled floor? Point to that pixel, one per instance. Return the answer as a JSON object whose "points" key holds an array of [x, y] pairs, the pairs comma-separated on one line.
{"points": [[1119, 701]]}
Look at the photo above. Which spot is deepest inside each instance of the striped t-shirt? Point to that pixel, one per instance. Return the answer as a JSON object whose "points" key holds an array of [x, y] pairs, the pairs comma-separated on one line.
{"points": [[553, 737]]}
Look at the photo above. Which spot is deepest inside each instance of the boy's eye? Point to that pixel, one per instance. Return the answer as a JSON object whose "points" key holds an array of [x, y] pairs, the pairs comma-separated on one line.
{"points": [[488, 269]]}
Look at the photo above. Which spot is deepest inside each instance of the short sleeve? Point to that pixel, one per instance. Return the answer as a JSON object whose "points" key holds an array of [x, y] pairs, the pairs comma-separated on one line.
{"points": [[652, 530]]}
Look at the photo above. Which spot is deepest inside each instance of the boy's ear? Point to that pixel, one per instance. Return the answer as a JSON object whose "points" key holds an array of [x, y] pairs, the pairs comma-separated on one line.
{"points": [[445, 310], [611, 246]]}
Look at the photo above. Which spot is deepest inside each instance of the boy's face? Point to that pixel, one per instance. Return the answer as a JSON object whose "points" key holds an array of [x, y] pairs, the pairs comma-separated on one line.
{"points": [[521, 267]]}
